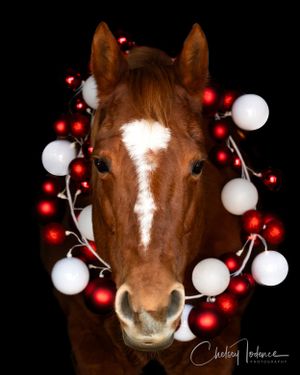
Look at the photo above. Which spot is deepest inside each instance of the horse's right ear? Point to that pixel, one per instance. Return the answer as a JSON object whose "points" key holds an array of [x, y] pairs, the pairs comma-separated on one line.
{"points": [[108, 63]]}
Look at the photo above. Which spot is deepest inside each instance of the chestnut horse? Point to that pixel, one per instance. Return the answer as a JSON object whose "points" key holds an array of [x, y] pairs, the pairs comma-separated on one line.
{"points": [[156, 209]]}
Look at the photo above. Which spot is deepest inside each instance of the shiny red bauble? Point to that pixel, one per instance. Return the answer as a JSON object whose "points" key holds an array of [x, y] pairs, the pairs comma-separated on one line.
{"points": [[227, 99], [206, 320], [62, 126], [78, 105], [79, 125], [85, 254], [227, 303], [100, 295], [125, 43], [232, 261], [210, 100], [53, 234], [274, 232], [73, 79], [51, 187], [47, 208], [210, 97], [84, 186], [220, 129], [252, 221], [250, 278], [272, 179], [236, 163], [79, 169], [221, 155], [239, 286], [87, 149]]}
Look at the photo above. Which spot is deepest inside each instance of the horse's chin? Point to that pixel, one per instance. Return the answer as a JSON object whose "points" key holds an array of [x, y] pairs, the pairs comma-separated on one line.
{"points": [[147, 345]]}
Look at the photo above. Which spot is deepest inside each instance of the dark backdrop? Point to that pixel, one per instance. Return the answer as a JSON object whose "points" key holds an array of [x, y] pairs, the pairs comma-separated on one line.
{"points": [[250, 49]]}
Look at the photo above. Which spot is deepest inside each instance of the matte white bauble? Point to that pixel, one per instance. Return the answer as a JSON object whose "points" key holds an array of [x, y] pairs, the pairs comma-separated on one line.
{"points": [[250, 112], [85, 223], [269, 268], [211, 277], [70, 275], [239, 195], [90, 93], [57, 156], [184, 333]]}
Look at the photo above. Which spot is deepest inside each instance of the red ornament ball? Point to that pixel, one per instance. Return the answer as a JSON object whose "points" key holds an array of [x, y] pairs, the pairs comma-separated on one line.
{"points": [[78, 105], [47, 208], [73, 79], [252, 221], [87, 149], [220, 130], [79, 125], [206, 320], [62, 126], [236, 163], [227, 100], [85, 254], [274, 232], [232, 261], [79, 169], [99, 295], [268, 216], [250, 278], [227, 303], [272, 179], [84, 186], [51, 187], [221, 155], [125, 42], [239, 286], [210, 97], [54, 234]]}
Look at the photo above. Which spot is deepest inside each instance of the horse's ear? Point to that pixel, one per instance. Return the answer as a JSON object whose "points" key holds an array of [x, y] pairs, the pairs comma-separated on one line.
{"points": [[108, 63], [192, 63]]}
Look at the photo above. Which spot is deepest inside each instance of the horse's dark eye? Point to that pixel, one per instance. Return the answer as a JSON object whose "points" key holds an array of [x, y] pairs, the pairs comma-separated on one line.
{"points": [[197, 167], [101, 165]]}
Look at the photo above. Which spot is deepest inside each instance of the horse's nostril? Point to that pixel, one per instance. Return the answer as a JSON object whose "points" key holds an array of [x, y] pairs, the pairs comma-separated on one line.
{"points": [[125, 306], [176, 303]]}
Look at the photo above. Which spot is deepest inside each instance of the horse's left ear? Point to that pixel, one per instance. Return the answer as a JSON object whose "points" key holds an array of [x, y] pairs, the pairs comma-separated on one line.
{"points": [[108, 63], [192, 63]]}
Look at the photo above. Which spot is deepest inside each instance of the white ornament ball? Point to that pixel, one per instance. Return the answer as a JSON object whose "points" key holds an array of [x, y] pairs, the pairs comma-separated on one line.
{"points": [[85, 223], [211, 277], [184, 333], [250, 112], [57, 156], [70, 275], [269, 268], [90, 93], [239, 195]]}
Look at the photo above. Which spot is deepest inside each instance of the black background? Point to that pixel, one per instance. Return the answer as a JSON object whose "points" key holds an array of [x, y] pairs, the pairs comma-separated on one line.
{"points": [[250, 49]]}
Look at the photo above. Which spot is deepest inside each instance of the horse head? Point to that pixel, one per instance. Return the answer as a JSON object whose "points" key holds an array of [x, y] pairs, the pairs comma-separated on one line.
{"points": [[148, 179]]}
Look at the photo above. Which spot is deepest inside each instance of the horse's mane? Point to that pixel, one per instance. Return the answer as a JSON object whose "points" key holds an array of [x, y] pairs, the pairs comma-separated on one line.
{"points": [[151, 83]]}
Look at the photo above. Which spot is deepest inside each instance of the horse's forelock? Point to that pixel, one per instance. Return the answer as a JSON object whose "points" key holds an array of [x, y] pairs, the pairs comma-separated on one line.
{"points": [[151, 83]]}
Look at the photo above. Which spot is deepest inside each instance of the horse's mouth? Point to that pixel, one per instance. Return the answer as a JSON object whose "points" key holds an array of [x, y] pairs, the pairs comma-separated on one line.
{"points": [[148, 344]]}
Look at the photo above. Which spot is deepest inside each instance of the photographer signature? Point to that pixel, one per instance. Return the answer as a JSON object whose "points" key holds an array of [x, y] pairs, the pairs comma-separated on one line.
{"points": [[229, 352]]}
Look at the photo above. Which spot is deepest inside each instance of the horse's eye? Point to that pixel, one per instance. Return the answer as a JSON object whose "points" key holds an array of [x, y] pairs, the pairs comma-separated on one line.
{"points": [[101, 165], [197, 167]]}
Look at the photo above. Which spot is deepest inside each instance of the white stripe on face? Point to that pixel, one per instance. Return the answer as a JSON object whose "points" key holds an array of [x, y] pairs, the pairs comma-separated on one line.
{"points": [[141, 137]]}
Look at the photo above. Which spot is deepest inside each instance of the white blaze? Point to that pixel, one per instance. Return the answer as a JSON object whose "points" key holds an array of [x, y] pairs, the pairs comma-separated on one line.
{"points": [[141, 137]]}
